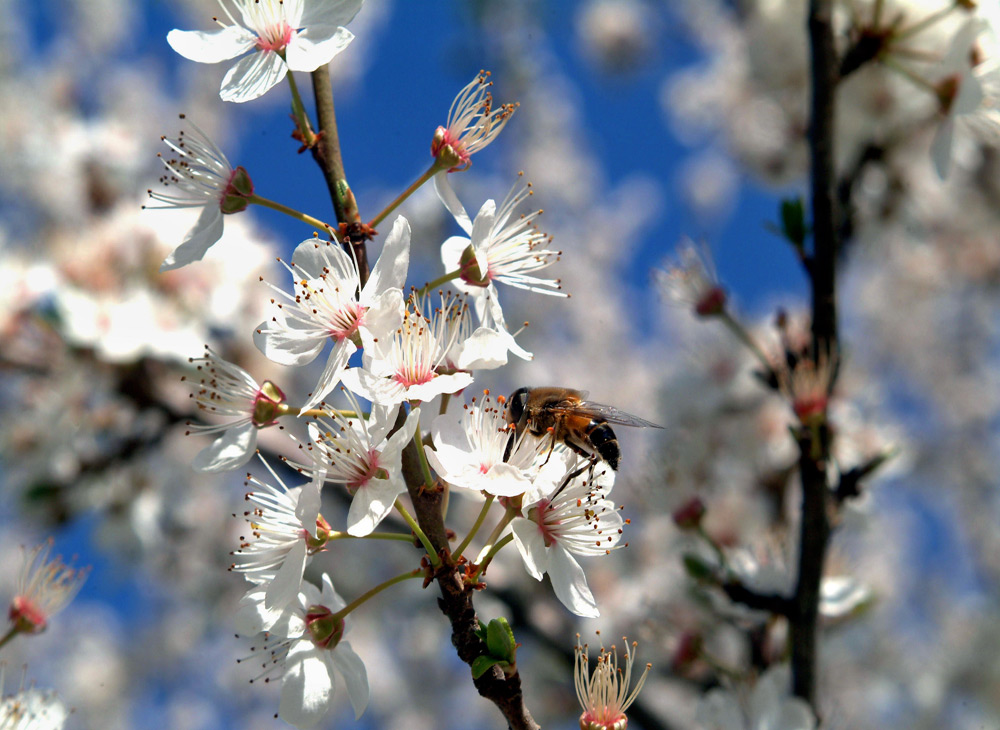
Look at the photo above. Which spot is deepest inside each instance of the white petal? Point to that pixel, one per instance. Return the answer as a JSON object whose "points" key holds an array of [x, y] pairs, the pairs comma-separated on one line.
{"points": [[447, 195], [398, 441], [795, 714], [287, 581], [251, 615], [307, 686], [504, 480], [212, 46], [310, 496], [232, 449], [531, 545], [381, 419], [390, 270], [329, 12], [336, 364], [252, 76], [312, 257], [941, 147], [484, 350], [384, 315], [438, 385], [285, 345], [352, 669], [373, 388], [206, 231], [316, 46], [482, 227], [371, 503], [570, 583]]}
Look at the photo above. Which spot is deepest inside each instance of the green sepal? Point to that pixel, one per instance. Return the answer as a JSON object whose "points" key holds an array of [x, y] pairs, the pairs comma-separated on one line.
{"points": [[793, 222]]}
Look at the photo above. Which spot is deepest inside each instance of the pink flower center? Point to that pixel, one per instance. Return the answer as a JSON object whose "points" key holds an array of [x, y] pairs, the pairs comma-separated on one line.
{"points": [[346, 321], [411, 375], [538, 514], [27, 616], [371, 471], [276, 37]]}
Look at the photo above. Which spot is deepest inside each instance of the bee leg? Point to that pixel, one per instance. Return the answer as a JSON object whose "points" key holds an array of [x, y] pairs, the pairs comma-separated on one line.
{"points": [[511, 440], [552, 446], [570, 477]]}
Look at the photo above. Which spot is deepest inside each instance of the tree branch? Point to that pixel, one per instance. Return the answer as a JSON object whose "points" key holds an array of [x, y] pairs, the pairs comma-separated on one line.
{"points": [[456, 600], [327, 154]]}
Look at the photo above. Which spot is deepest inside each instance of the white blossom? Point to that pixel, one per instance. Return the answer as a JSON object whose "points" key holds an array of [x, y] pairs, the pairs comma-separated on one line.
{"points": [[576, 519], [769, 706], [225, 389], [277, 35], [469, 450], [325, 306], [305, 647], [203, 178], [472, 123]]}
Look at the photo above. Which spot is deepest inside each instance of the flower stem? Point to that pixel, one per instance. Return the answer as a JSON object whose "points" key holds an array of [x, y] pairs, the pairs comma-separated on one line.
{"points": [[509, 515], [475, 527], [375, 591], [8, 636], [308, 219], [425, 467], [488, 558], [450, 276], [431, 553], [299, 111], [743, 336], [338, 535], [435, 167]]}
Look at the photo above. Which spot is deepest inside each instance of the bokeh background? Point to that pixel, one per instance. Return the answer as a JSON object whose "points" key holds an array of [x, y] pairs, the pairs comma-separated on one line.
{"points": [[640, 122]]}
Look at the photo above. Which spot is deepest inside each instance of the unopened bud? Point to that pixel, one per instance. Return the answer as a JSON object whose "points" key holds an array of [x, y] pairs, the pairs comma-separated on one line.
{"points": [[713, 303], [688, 515]]}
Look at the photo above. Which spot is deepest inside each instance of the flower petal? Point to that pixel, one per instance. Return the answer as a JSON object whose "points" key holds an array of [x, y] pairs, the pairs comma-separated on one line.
{"points": [[252, 76], [287, 581], [316, 46], [352, 669], [232, 449], [570, 583], [438, 385], [371, 503], [336, 364], [206, 231], [283, 344], [212, 46], [389, 271], [530, 544], [307, 686], [447, 195]]}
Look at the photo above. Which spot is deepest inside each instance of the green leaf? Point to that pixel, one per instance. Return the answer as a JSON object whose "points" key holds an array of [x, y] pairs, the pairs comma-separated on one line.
{"points": [[697, 568], [500, 639]]}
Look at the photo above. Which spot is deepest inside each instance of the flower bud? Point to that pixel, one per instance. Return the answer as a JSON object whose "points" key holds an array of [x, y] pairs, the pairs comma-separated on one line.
{"points": [[688, 515]]}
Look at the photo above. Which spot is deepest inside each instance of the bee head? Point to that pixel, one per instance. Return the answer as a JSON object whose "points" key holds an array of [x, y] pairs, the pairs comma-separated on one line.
{"points": [[516, 405]]}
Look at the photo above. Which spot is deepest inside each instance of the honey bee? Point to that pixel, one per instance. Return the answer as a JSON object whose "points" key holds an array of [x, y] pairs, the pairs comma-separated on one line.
{"points": [[584, 426]]}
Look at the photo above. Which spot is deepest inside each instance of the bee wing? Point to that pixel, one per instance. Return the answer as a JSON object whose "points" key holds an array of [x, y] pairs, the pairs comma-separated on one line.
{"points": [[612, 414]]}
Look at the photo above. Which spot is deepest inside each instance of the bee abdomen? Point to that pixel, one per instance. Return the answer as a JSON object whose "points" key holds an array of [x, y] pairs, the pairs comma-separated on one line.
{"points": [[604, 441]]}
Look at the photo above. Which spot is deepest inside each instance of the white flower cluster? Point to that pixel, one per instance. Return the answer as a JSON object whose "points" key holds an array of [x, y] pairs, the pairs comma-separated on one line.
{"points": [[415, 346]]}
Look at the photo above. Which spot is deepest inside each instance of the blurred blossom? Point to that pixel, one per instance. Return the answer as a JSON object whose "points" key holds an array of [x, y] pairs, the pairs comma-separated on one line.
{"points": [[616, 35], [30, 708], [769, 706], [44, 587]]}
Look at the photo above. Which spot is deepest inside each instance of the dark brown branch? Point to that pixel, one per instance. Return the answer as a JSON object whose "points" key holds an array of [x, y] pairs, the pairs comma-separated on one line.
{"points": [[814, 533], [326, 152], [456, 600], [770, 602]]}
